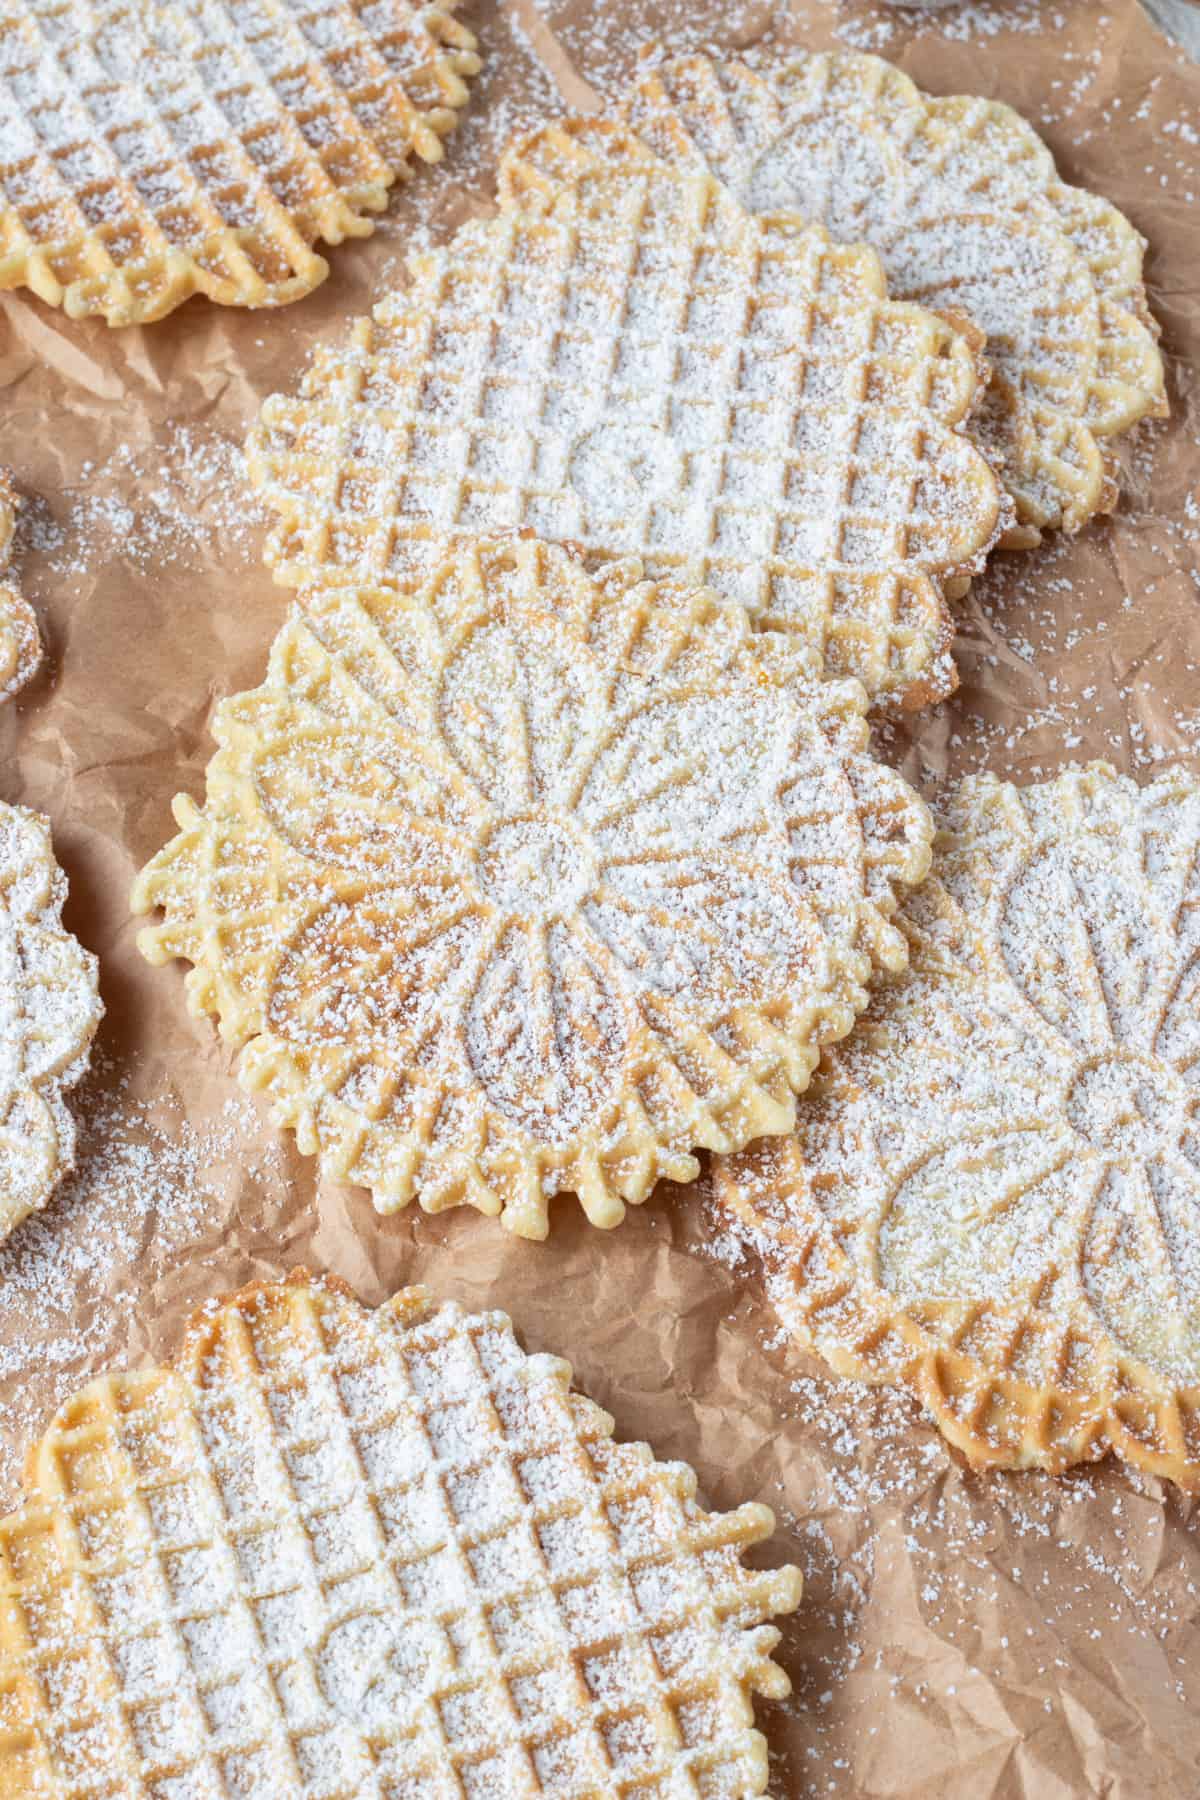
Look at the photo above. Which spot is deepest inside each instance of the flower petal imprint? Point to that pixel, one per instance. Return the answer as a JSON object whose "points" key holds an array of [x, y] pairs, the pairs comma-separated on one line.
{"points": [[532, 882], [993, 1192]]}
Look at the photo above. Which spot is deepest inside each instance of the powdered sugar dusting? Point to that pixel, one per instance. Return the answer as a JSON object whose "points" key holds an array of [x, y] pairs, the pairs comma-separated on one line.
{"points": [[1009, 1162], [393, 1547], [929, 1591], [963, 204], [171, 505], [564, 880], [203, 147], [49, 1011], [750, 415]]}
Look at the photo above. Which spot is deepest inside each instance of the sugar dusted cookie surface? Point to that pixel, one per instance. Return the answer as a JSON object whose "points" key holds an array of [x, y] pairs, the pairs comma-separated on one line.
{"points": [[342, 1552], [626, 361], [149, 150], [993, 1192], [530, 882], [49, 1011], [964, 204], [20, 640]]}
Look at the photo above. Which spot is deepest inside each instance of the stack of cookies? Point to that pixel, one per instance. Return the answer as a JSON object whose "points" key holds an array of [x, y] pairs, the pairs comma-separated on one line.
{"points": [[553, 850]]}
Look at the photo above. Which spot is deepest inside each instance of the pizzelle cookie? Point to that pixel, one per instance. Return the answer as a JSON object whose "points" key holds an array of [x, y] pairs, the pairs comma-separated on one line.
{"points": [[153, 149], [625, 361], [49, 1010], [20, 640], [993, 1193], [336, 1552], [963, 202], [530, 882]]}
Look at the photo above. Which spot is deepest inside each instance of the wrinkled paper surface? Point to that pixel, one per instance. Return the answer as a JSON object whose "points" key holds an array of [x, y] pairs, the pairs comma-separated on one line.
{"points": [[961, 1635]]}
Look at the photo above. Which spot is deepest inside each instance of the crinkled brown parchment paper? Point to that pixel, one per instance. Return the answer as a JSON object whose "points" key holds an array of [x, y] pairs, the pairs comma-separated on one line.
{"points": [[961, 1635]]}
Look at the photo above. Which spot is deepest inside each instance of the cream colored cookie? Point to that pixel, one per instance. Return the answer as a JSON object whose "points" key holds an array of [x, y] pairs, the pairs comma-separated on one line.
{"points": [[152, 149], [20, 640], [49, 1011], [335, 1552], [993, 1193], [626, 361], [963, 202], [529, 883]]}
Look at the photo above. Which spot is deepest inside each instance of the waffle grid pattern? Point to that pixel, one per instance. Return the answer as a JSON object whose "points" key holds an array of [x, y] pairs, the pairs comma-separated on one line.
{"points": [[632, 365], [150, 151], [338, 1556], [963, 201], [1053, 1069]]}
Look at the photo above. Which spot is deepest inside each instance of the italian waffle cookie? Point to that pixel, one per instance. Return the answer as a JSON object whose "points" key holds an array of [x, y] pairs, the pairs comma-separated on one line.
{"points": [[993, 1193], [625, 361], [334, 1553], [964, 204], [153, 149], [20, 640], [530, 882], [49, 1010]]}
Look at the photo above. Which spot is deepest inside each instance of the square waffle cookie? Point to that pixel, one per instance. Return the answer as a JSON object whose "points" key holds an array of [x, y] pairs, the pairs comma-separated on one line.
{"points": [[993, 1193], [20, 640], [625, 361], [49, 1011], [335, 1553], [964, 204], [152, 149], [531, 882]]}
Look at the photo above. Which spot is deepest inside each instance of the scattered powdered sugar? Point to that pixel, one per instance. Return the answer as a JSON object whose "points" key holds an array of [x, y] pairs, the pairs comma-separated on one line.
{"points": [[1062, 661], [959, 21], [934, 1590], [77, 1279], [514, 92], [175, 504]]}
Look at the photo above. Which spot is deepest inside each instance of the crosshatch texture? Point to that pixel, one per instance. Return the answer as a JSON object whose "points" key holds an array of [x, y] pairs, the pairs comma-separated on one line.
{"points": [[963, 202], [625, 361], [151, 151], [336, 1553]]}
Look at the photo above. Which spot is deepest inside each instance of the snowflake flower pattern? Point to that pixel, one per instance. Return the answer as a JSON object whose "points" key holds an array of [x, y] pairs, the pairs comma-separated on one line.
{"points": [[533, 881], [49, 1011], [993, 1193]]}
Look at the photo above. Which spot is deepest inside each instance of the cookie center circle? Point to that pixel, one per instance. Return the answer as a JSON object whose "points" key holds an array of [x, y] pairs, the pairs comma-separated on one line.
{"points": [[1126, 1106], [617, 469], [534, 866]]}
